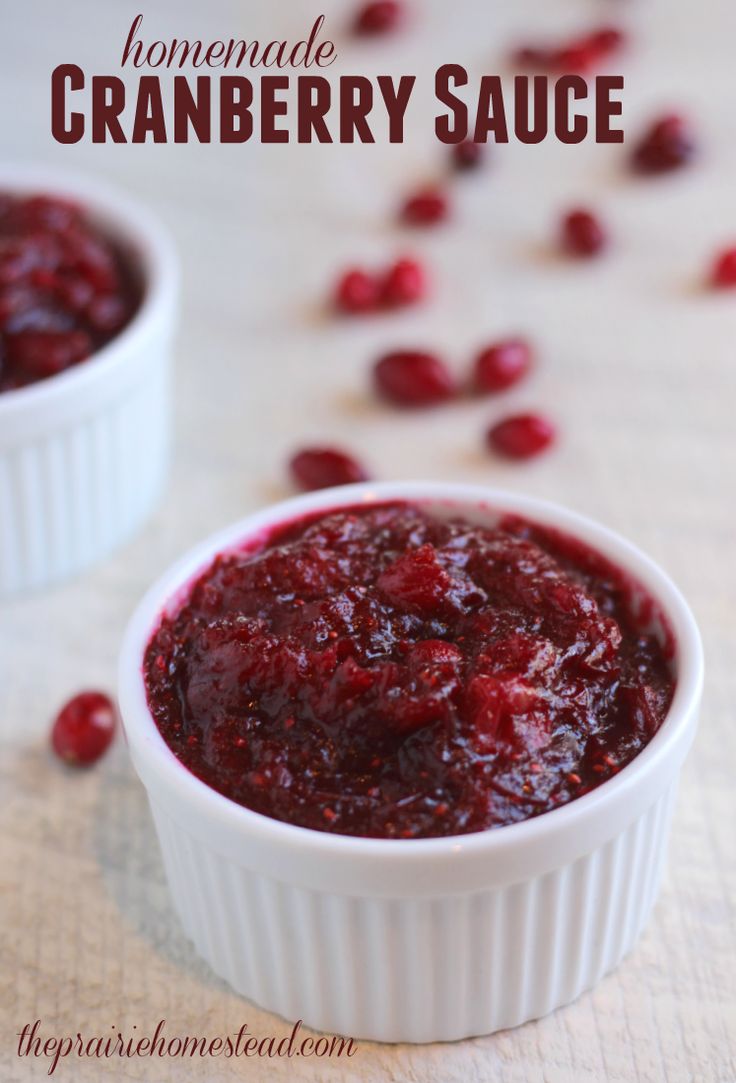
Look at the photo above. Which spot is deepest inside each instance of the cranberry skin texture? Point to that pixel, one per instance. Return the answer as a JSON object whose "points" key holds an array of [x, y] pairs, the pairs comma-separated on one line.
{"points": [[468, 155], [723, 274], [84, 728], [583, 234], [521, 436], [667, 145], [404, 284], [322, 467], [501, 366], [357, 292], [379, 17], [413, 378], [427, 208]]}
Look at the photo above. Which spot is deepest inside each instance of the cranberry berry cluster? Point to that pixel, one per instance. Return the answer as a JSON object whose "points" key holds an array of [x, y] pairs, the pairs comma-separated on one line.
{"points": [[417, 378]]}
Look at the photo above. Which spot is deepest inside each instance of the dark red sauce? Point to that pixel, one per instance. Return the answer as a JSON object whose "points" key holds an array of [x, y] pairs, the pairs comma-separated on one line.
{"points": [[65, 290], [381, 671]]}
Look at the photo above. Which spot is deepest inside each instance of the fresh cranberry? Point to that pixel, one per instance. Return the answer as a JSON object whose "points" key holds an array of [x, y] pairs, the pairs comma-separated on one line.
{"points": [[404, 284], [379, 17], [723, 274], [425, 208], [582, 233], [521, 436], [577, 57], [502, 365], [578, 54], [84, 728], [668, 144], [413, 378], [608, 39], [322, 467], [468, 154], [357, 292]]}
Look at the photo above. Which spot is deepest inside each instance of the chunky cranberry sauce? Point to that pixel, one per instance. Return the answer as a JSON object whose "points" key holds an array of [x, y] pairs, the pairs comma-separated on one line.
{"points": [[380, 671], [64, 289]]}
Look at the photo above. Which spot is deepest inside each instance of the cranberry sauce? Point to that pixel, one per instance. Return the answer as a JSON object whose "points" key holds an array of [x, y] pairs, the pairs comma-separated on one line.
{"points": [[379, 671], [64, 290]]}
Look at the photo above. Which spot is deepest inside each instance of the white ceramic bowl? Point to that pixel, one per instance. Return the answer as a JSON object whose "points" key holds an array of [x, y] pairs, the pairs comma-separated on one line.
{"points": [[83, 455], [415, 940]]}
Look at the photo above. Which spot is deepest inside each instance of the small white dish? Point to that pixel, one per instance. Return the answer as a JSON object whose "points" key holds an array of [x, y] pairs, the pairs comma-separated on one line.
{"points": [[84, 454], [415, 940]]}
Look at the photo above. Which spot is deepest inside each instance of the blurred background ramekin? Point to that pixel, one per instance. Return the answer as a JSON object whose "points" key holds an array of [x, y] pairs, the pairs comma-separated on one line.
{"points": [[416, 940], [84, 454]]}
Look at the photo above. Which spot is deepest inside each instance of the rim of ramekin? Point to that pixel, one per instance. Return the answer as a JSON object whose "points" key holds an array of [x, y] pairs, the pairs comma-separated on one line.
{"points": [[146, 740], [132, 223]]}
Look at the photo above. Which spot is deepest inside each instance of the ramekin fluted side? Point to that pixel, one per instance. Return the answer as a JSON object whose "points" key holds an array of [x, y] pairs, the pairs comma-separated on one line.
{"points": [[416, 940], [83, 454], [70, 494], [417, 969]]}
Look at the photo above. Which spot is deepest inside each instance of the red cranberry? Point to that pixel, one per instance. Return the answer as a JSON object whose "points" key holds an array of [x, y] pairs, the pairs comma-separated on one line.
{"points": [[723, 274], [578, 54], [322, 467], [502, 365], [521, 436], [425, 208], [667, 145], [357, 291], [577, 57], [608, 39], [379, 17], [84, 728], [583, 234], [404, 284], [413, 378], [468, 154]]}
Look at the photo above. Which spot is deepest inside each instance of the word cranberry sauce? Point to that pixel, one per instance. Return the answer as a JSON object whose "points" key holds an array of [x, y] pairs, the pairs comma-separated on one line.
{"points": [[380, 671]]}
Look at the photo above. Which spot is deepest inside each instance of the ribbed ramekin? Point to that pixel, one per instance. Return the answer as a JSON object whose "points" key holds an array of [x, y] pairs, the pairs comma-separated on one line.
{"points": [[415, 940], [83, 455]]}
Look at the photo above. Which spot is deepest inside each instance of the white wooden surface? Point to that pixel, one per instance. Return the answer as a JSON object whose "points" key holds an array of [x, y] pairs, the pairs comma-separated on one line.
{"points": [[637, 364]]}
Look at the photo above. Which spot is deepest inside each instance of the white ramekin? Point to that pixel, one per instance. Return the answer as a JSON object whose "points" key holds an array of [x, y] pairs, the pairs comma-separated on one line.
{"points": [[415, 940], [83, 455]]}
